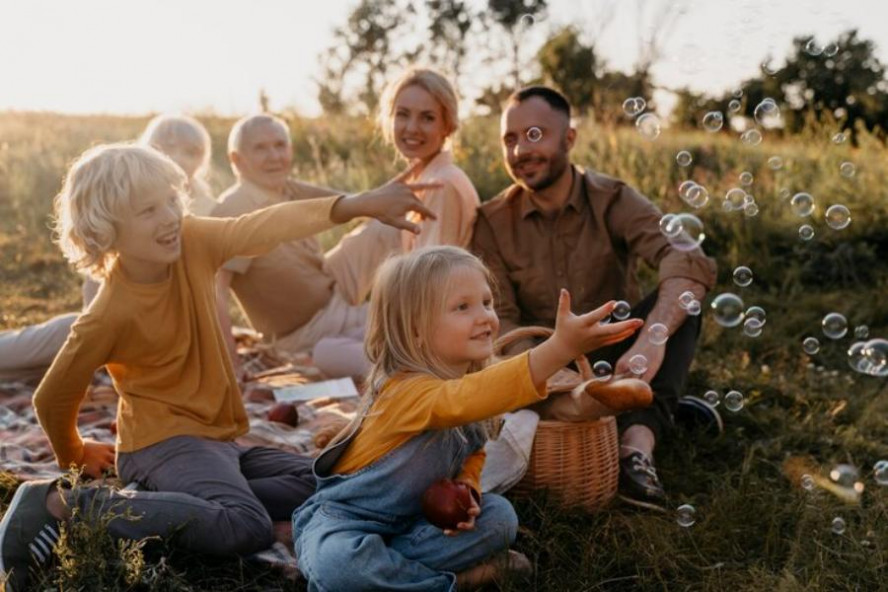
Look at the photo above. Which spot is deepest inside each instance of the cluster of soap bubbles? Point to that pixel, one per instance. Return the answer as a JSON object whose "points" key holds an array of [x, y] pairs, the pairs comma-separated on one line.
{"points": [[648, 124], [683, 231], [693, 194], [687, 301], [869, 357]]}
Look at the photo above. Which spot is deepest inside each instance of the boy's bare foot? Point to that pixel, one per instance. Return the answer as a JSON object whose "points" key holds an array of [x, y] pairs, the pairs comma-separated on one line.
{"points": [[514, 563]]}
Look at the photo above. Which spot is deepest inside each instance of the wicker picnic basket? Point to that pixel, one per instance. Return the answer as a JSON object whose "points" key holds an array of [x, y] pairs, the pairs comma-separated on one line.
{"points": [[578, 462]]}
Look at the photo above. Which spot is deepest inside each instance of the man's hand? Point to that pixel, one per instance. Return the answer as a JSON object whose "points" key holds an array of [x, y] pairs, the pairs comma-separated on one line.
{"points": [[98, 457], [653, 353], [389, 203]]}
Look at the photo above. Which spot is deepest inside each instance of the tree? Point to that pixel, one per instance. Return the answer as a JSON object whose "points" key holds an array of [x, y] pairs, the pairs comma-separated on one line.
{"points": [[569, 65], [515, 16], [450, 22]]}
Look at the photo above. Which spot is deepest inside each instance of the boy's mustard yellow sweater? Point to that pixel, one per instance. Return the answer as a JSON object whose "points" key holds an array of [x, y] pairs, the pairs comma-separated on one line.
{"points": [[161, 343]]}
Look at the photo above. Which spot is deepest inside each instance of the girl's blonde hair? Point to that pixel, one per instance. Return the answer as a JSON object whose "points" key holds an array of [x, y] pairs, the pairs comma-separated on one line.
{"points": [[168, 130], [433, 83], [98, 191]]}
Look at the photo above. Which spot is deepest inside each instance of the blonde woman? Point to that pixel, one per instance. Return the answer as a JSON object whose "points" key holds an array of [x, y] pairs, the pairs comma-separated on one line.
{"points": [[418, 115]]}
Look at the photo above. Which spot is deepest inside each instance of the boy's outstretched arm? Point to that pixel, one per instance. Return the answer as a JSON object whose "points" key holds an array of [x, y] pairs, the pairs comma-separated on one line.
{"points": [[574, 336]]}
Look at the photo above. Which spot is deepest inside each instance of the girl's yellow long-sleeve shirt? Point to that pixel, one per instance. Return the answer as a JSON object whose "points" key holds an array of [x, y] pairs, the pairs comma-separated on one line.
{"points": [[413, 403], [162, 344]]}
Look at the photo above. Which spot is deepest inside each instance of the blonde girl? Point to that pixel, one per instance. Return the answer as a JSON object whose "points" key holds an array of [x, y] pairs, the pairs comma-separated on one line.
{"points": [[418, 116], [187, 142], [430, 337]]}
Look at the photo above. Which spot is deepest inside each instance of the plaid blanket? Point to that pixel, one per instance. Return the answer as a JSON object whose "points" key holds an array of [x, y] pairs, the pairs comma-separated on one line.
{"points": [[26, 453]]}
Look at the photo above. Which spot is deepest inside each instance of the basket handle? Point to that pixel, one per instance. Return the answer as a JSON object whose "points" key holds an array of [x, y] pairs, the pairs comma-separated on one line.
{"points": [[520, 333]]}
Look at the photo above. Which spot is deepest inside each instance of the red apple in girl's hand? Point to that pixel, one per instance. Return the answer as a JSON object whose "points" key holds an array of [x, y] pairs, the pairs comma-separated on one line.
{"points": [[446, 503], [284, 413]]}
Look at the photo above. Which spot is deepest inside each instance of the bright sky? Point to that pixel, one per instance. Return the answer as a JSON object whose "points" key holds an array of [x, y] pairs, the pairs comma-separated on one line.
{"points": [[130, 56]]}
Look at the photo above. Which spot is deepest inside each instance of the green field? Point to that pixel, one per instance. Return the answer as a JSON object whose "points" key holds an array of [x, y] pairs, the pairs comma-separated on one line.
{"points": [[756, 528]]}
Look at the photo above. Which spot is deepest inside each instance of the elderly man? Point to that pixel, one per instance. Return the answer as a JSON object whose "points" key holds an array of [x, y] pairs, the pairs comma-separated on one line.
{"points": [[560, 226], [298, 297]]}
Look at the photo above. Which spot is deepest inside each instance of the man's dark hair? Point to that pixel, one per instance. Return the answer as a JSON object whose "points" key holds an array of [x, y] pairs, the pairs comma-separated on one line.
{"points": [[552, 97]]}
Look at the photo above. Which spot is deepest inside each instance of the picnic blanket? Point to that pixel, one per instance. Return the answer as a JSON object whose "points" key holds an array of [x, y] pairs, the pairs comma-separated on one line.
{"points": [[26, 453]]}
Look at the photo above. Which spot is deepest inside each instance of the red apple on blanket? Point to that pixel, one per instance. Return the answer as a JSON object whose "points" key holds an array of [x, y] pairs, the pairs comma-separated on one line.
{"points": [[113, 427], [446, 503], [284, 413]]}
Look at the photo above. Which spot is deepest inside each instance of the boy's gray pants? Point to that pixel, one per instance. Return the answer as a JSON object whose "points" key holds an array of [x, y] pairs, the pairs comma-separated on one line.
{"points": [[215, 497]]}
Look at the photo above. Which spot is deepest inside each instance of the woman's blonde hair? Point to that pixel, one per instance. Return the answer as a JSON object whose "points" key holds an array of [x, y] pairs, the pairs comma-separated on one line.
{"points": [[98, 191], [168, 130], [433, 83]]}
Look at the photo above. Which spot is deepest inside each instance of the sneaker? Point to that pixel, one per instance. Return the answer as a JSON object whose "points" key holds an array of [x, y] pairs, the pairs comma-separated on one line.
{"points": [[639, 483], [28, 534], [696, 414]]}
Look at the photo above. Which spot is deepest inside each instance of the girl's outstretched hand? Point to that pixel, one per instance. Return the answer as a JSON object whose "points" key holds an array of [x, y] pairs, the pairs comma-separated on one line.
{"points": [[575, 335], [389, 203]]}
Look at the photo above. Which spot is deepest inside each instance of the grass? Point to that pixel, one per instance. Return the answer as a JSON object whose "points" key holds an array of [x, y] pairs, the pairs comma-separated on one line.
{"points": [[756, 529]]}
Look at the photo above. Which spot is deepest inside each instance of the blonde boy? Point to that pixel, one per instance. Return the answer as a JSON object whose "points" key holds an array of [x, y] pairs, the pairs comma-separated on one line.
{"points": [[153, 325]]}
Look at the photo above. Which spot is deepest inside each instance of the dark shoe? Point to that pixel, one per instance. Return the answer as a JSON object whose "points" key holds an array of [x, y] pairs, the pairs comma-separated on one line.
{"points": [[28, 534], [639, 484], [696, 414]]}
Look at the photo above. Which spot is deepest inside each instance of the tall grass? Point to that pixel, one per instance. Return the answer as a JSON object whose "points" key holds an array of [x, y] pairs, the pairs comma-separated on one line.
{"points": [[756, 528]]}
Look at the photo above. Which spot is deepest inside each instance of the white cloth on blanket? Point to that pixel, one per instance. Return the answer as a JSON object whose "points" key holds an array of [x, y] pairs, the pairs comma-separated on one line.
{"points": [[509, 455]]}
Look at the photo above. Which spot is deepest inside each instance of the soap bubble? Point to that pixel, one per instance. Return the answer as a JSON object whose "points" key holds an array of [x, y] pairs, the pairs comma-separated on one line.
{"points": [[685, 187], [633, 106], [811, 345], [526, 21], [775, 163], [694, 308], [847, 476], [746, 178], [857, 358], [670, 226], [767, 114], [734, 401], [742, 276], [691, 234], [727, 309], [686, 515], [802, 204], [648, 125], [695, 196], [713, 121], [834, 325], [847, 169], [737, 93], [621, 310], [752, 327], [735, 198], [876, 352], [733, 106], [712, 397], [839, 138], [684, 158], [751, 210], [768, 67], [685, 299], [751, 137], [880, 472], [784, 193], [861, 332], [658, 334], [807, 482], [806, 232], [602, 369], [812, 48], [638, 364], [838, 525], [534, 134], [830, 50], [756, 312], [838, 217]]}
